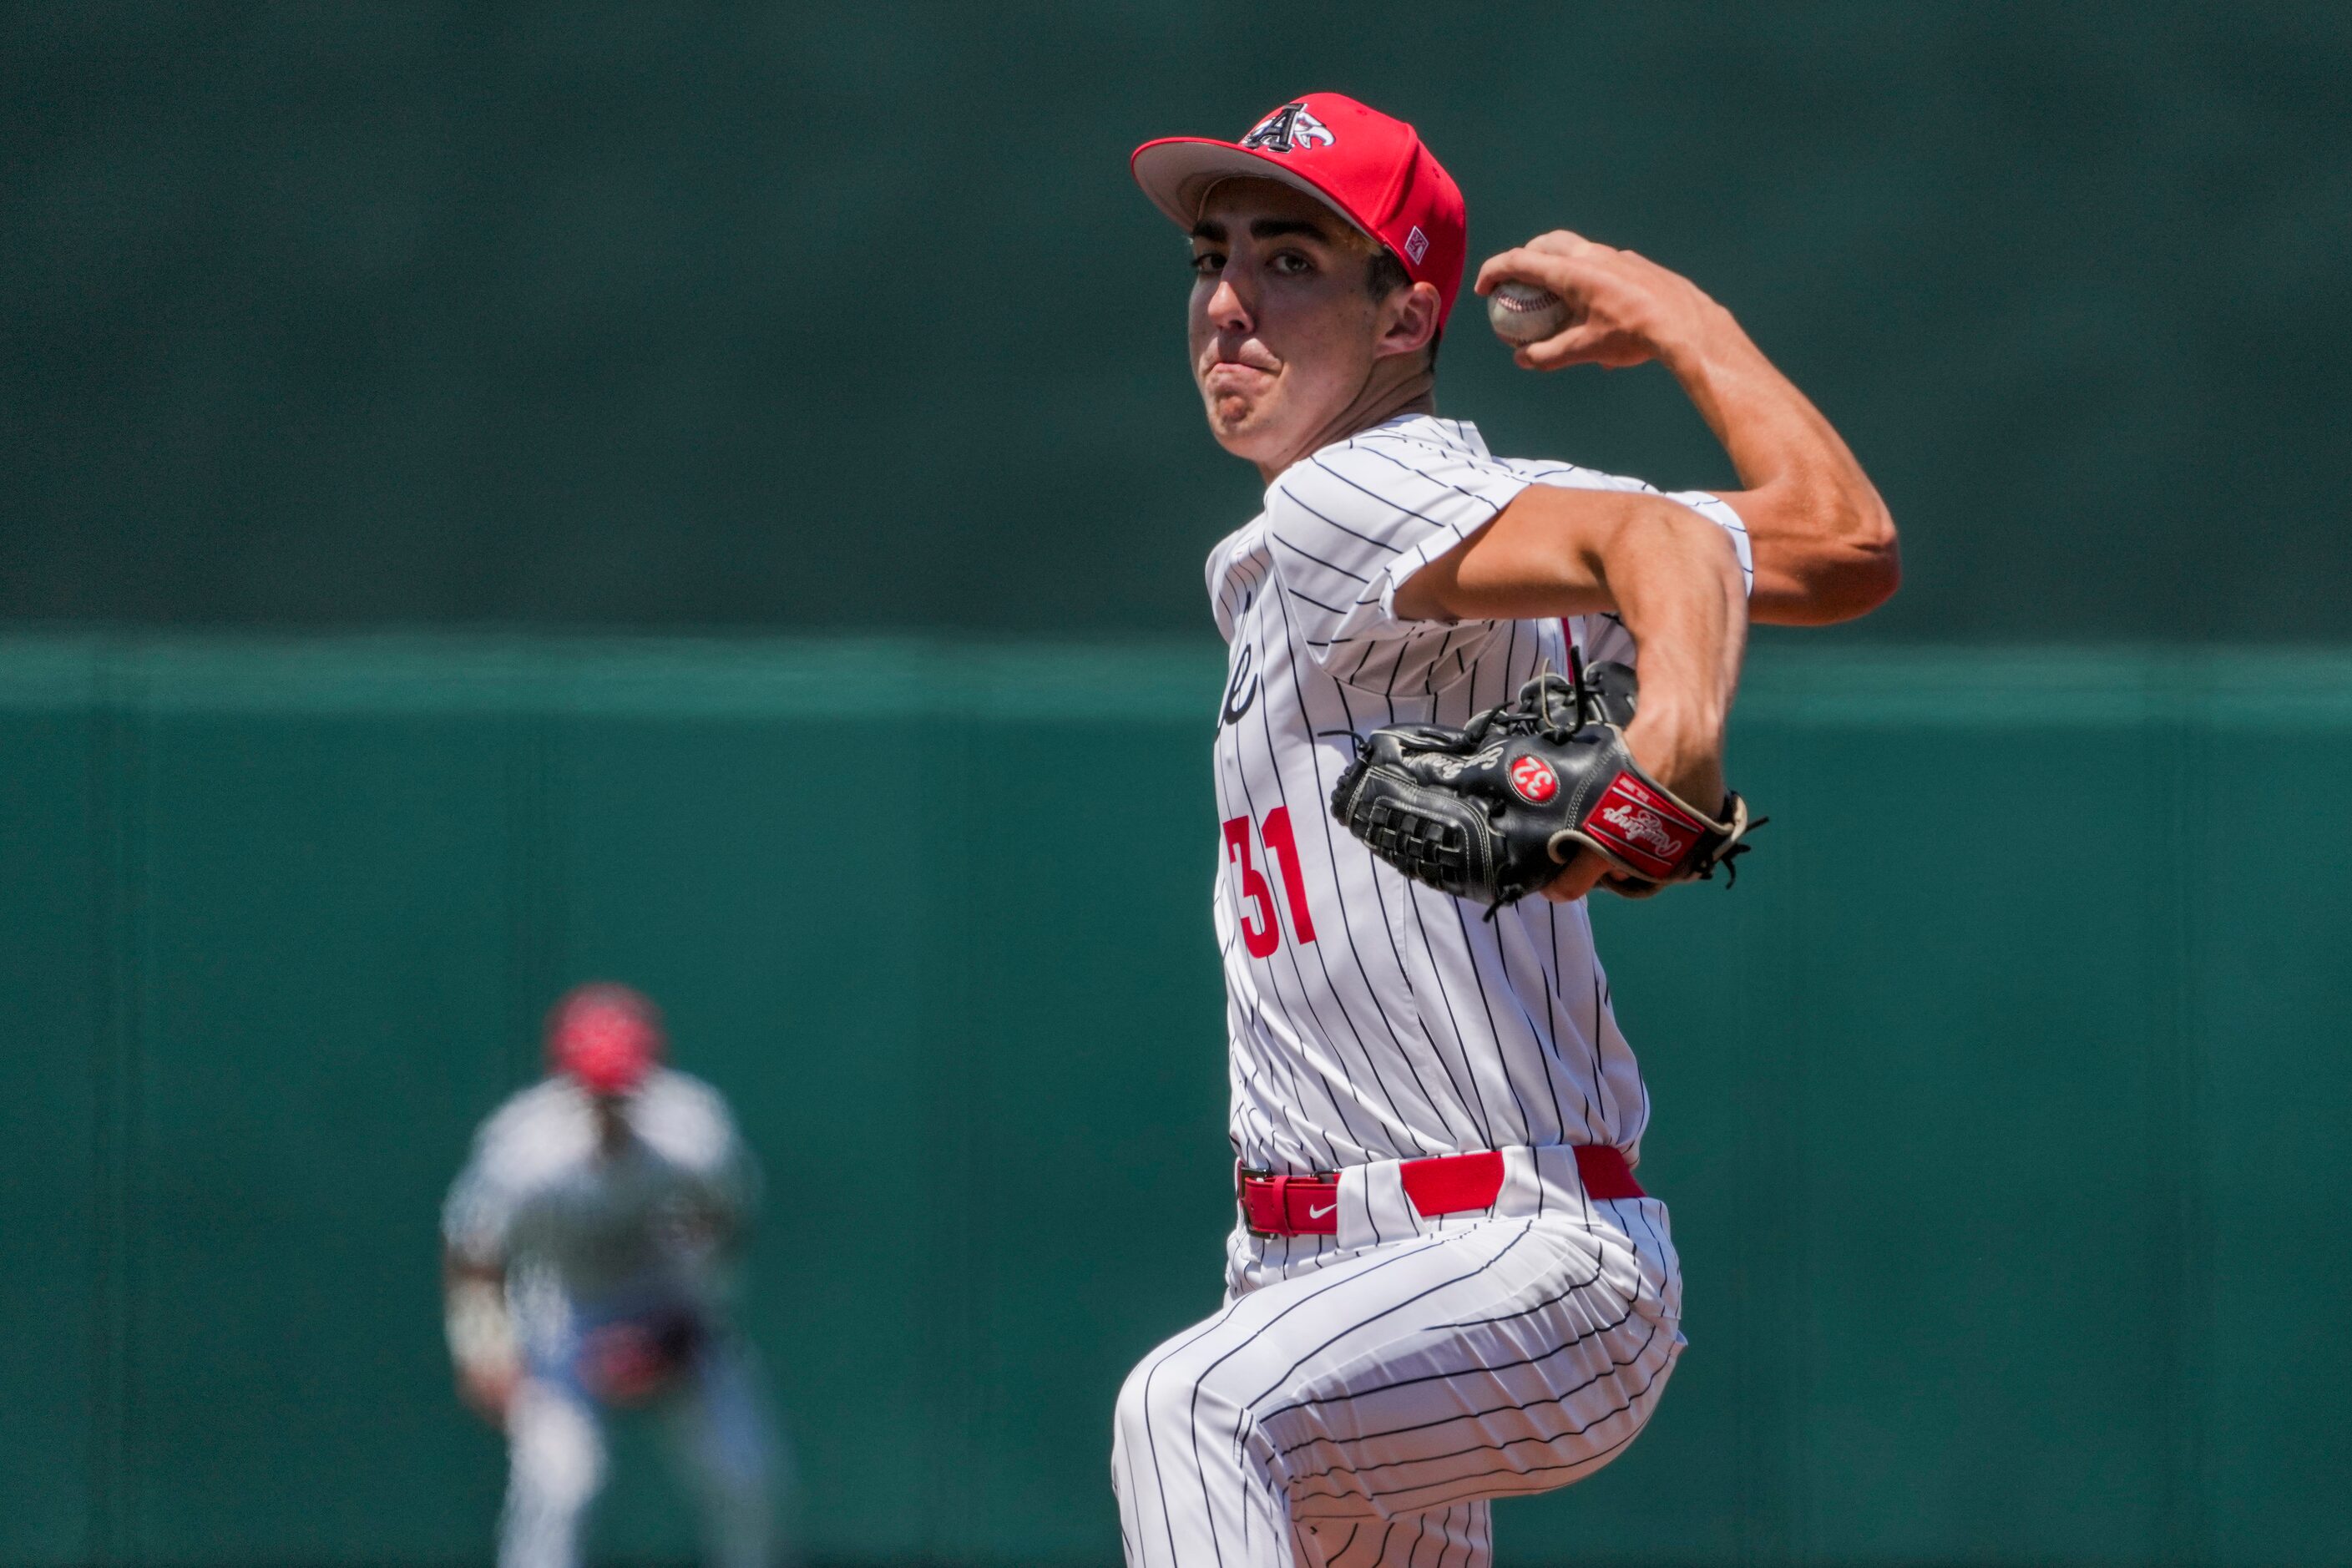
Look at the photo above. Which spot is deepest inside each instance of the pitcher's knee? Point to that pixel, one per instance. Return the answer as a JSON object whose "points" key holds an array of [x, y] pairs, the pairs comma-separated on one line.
{"points": [[1131, 1417], [1167, 1398]]}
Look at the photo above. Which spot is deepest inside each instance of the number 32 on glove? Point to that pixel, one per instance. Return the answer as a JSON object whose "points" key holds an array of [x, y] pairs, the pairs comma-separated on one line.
{"points": [[1493, 810]]}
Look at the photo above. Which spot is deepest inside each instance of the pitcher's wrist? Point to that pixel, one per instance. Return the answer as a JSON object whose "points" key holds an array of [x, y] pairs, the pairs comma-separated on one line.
{"points": [[1682, 749], [1711, 343]]}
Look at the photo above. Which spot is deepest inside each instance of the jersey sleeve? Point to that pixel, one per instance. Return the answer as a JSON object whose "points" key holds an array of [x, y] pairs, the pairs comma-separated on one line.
{"points": [[687, 1120], [478, 1217], [1351, 525], [513, 1155], [733, 1177], [1228, 587]]}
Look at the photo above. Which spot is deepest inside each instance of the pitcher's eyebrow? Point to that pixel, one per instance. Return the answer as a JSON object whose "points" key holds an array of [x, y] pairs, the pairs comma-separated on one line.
{"points": [[1210, 229]]}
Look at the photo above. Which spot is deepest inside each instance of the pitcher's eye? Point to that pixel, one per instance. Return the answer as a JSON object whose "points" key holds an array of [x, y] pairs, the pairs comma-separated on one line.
{"points": [[1292, 263], [1208, 264]]}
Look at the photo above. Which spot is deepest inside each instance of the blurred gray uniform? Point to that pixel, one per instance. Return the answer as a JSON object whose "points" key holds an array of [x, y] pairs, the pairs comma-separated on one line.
{"points": [[623, 1249]]}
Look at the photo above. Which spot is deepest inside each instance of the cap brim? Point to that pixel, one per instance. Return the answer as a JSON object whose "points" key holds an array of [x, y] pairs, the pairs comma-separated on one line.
{"points": [[1178, 171]]}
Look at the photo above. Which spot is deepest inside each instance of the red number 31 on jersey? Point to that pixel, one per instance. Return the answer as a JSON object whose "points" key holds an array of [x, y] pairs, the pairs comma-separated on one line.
{"points": [[1260, 931]]}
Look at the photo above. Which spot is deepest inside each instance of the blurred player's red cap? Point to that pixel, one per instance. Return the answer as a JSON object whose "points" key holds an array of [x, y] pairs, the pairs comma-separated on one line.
{"points": [[1371, 169], [608, 1037]]}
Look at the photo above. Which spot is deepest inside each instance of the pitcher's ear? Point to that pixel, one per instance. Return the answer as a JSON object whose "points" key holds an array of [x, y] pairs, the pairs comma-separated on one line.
{"points": [[1409, 319]]}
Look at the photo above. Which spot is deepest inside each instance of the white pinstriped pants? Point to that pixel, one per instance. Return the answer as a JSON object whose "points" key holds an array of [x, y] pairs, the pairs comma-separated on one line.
{"points": [[1363, 1406]]}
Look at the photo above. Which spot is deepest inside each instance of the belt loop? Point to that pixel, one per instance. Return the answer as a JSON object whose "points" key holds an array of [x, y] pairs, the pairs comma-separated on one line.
{"points": [[1281, 1202]]}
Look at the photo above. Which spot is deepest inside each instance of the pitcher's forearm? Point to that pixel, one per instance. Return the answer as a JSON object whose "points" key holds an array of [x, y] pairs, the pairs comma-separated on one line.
{"points": [[1823, 541], [1768, 428], [1677, 586]]}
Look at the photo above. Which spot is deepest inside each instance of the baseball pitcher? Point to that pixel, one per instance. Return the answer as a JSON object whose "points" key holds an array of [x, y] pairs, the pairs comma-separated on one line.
{"points": [[585, 1275], [1462, 692]]}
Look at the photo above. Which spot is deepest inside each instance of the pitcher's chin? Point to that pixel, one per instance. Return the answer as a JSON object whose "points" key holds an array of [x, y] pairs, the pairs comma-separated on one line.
{"points": [[1241, 426]]}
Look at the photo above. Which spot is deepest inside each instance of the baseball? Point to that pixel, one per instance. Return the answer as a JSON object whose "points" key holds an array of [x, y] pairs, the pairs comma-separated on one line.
{"points": [[1523, 313]]}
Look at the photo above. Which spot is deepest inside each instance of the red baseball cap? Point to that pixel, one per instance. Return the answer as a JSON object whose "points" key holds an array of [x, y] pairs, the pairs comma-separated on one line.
{"points": [[1372, 170], [607, 1037]]}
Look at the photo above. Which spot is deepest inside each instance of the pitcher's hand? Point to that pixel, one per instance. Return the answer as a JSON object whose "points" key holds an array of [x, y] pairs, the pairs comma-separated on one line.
{"points": [[1687, 758], [1623, 308]]}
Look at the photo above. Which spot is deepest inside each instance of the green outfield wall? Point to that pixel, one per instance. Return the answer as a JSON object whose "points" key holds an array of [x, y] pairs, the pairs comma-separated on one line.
{"points": [[2001, 1107]]}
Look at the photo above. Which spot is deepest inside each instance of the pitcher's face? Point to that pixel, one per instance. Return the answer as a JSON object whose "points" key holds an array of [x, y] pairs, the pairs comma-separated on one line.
{"points": [[1284, 331]]}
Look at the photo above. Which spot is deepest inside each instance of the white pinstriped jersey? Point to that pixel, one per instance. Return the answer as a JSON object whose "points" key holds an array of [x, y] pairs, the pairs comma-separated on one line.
{"points": [[1370, 1018]]}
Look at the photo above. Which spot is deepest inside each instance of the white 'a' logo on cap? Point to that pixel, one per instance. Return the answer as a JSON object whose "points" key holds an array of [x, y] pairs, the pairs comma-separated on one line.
{"points": [[1287, 130]]}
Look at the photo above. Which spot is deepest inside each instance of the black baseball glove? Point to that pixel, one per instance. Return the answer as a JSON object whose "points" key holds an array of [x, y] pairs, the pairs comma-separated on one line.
{"points": [[1494, 810], [634, 1360]]}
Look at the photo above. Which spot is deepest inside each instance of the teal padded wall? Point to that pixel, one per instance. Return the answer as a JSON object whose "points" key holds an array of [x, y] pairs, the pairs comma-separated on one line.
{"points": [[1999, 1107]]}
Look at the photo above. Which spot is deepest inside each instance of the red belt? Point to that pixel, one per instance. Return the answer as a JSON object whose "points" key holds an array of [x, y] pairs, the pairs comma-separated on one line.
{"points": [[1449, 1184]]}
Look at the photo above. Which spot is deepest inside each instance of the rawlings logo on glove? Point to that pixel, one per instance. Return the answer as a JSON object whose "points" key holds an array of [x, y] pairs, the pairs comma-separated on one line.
{"points": [[1494, 810]]}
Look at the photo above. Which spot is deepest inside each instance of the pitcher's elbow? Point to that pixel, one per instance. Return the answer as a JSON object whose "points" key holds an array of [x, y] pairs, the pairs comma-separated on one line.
{"points": [[1878, 580], [1865, 575], [1869, 566], [1847, 578]]}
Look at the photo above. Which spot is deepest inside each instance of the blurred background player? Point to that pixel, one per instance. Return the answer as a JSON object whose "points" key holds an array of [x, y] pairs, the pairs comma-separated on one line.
{"points": [[587, 1241]]}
